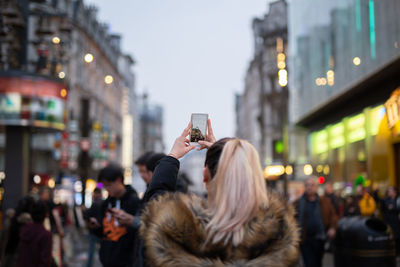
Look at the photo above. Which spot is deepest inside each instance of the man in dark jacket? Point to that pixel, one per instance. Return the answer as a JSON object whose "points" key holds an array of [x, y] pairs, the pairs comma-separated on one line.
{"points": [[35, 241], [118, 235], [317, 220]]}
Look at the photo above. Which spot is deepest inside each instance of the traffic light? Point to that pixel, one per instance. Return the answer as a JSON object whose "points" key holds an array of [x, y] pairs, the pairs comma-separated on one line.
{"points": [[321, 180]]}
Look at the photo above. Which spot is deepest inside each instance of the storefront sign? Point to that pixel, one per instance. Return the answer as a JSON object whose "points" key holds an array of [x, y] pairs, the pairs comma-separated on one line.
{"points": [[392, 108], [32, 101]]}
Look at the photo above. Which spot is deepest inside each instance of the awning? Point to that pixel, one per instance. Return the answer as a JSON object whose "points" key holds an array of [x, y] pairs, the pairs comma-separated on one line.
{"points": [[374, 89]]}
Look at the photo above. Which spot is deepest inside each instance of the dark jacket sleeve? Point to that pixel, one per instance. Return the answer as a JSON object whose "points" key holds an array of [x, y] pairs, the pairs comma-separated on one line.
{"points": [[164, 178]]}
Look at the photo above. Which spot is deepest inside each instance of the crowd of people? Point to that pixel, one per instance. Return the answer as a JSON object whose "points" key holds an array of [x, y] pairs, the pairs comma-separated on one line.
{"points": [[240, 223], [318, 215]]}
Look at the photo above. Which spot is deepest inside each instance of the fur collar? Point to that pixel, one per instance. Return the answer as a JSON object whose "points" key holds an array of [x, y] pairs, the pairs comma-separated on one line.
{"points": [[174, 233]]}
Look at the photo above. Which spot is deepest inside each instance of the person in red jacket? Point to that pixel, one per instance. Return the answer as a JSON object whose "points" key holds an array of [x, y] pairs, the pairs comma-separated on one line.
{"points": [[35, 241]]}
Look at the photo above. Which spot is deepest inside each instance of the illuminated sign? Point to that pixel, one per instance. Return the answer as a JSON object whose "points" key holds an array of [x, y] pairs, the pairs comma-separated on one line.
{"points": [[392, 109], [336, 133], [32, 101], [356, 128], [320, 142]]}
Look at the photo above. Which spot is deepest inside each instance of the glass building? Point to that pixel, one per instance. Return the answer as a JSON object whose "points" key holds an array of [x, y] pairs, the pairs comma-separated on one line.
{"points": [[344, 65]]}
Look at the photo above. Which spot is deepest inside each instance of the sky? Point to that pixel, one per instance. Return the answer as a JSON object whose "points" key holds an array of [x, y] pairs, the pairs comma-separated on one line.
{"points": [[191, 55]]}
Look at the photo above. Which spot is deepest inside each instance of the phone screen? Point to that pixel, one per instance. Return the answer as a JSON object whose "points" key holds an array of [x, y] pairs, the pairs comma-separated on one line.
{"points": [[199, 127]]}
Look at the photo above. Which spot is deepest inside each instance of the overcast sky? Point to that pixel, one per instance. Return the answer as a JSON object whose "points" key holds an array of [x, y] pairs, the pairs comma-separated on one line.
{"points": [[191, 55]]}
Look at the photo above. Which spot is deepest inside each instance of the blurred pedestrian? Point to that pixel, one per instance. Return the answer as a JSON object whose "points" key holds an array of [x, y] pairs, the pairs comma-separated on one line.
{"points": [[35, 241], [22, 216], [351, 207], [365, 201], [93, 212], [391, 211], [54, 224], [152, 163], [330, 194], [116, 219], [317, 220], [141, 164], [241, 225]]}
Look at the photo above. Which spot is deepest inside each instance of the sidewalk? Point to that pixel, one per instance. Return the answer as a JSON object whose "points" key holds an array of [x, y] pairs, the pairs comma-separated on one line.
{"points": [[77, 254]]}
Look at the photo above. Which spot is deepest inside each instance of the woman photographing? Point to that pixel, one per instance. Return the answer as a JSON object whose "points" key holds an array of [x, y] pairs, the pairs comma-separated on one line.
{"points": [[241, 224]]}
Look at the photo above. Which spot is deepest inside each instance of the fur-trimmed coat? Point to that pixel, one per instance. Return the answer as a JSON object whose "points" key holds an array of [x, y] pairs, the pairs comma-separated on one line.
{"points": [[174, 234]]}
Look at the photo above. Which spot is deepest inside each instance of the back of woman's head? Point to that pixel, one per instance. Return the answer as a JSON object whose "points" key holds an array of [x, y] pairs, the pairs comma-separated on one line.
{"points": [[237, 188]]}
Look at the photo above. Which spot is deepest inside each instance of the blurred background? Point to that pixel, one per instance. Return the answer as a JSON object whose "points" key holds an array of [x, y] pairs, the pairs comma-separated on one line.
{"points": [[313, 85]]}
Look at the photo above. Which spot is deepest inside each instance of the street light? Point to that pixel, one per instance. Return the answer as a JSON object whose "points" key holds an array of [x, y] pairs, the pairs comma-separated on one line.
{"points": [[308, 170], [282, 77], [108, 79], [88, 58], [63, 93], [56, 40], [356, 61], [61, 75], [51, 183], [37, 179]]}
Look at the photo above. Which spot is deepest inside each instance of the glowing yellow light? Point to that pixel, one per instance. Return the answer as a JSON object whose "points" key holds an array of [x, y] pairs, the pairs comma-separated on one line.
{"points": [[63, 93], [308, 170], [281, 56], [108, 79], [281, 65], [2, 175], [282, 77], [90, 185], [274, 170], [281, 61], [323, 81], [330, 75], [289, 170], [88, 58], [37, 179], [326, 169], [318, 81], [319, 168], [61, 75], [356, 61], [51, 183], [56, 40]]}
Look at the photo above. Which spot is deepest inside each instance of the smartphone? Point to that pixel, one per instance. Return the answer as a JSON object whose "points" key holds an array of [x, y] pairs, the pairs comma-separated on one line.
{"points": [[199, 127]]}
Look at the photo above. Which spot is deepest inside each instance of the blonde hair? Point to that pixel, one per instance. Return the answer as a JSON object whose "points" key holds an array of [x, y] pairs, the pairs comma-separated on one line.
{"points": [[236, 191]]}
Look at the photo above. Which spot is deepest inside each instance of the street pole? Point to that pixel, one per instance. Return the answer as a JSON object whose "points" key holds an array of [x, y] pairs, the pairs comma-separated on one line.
{"points": [[17, 165]]}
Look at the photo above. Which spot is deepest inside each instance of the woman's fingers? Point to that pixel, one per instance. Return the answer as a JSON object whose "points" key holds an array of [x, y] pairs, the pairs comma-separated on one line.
{"points": [[189, 148], [187, 130], [210, 136], [205, 144]]}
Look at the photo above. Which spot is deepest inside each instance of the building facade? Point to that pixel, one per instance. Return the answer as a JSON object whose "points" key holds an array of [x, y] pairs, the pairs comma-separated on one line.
{"points": [[151, 126], [87, 122], [344, 64], [262, 107]]}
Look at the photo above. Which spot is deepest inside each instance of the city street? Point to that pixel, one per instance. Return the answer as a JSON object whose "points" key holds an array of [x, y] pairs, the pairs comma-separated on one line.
{"points": [[203, 133]]}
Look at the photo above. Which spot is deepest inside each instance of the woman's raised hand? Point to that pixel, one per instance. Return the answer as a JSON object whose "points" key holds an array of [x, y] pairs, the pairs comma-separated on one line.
{"points": [[210, 138], [182, 144]]}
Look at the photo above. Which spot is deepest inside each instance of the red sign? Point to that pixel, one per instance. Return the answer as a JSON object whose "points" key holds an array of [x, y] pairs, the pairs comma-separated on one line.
{"points": [[32, 87]]}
